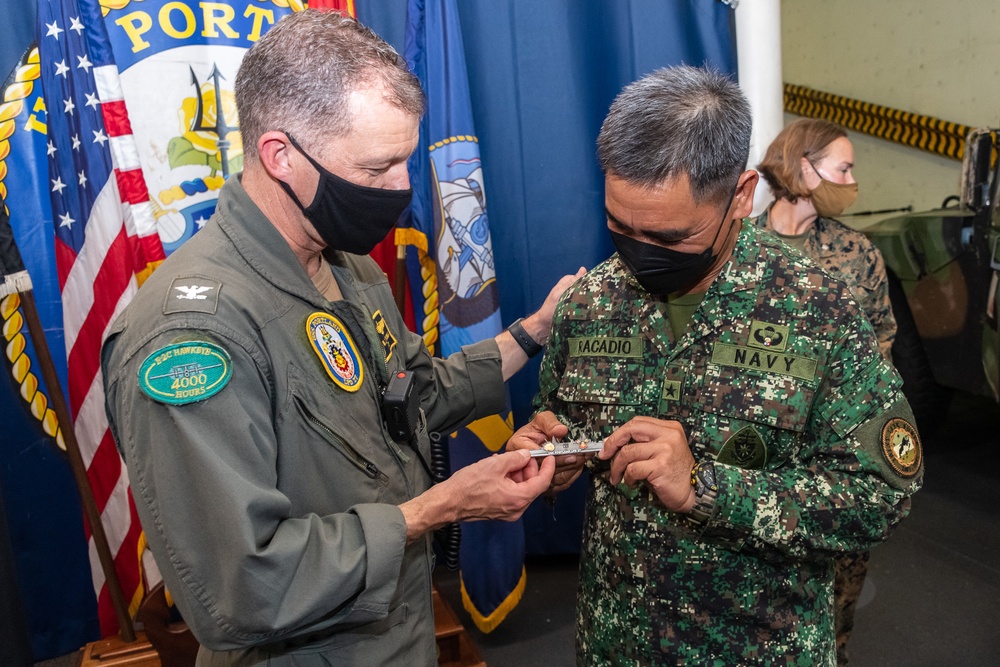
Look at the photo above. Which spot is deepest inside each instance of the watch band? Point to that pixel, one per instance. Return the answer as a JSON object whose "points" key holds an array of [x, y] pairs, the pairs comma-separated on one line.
{"points": [[706, 492], [527, 343]]}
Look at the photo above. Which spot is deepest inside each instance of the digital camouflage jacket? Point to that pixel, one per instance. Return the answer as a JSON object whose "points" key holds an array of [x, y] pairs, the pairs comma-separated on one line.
{"points": [[778, 379], [849, 255]]}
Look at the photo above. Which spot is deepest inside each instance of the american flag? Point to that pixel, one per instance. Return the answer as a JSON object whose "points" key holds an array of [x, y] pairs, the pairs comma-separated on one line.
{"points": [[106, 244]]}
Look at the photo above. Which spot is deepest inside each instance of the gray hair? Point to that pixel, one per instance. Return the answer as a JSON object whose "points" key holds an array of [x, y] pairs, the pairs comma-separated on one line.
{"points": [[677, 121], [299, 75]]}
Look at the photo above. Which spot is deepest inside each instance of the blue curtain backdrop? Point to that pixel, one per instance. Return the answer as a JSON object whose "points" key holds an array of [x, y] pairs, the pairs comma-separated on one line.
{"points": [[17, 31], [542, 76]]}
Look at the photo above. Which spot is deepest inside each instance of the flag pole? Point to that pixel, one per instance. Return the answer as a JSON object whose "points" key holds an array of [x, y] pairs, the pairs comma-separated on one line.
{"points": [[400, 287], [126, 630], [14, 279]]}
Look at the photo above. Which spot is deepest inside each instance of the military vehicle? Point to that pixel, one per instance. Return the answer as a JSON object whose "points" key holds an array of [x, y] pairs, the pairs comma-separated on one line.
{"points": [[943, 268]]}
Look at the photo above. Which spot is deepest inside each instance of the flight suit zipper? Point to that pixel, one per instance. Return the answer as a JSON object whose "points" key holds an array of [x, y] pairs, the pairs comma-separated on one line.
{"points": [[366, 466], [369, 329]]}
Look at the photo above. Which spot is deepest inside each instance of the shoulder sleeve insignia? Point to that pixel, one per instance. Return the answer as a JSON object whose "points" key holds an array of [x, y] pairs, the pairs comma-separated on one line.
{"points": [[192, 294], [888, 442], [185, 372], [901, 447]]}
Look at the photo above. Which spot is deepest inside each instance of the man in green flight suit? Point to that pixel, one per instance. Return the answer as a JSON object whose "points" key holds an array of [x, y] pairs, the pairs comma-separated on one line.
{"points": [[752, 430], [245, 381]]}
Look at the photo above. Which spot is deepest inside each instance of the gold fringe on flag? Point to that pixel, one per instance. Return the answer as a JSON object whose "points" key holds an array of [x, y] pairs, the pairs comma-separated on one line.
{"points": [[489, 623]]}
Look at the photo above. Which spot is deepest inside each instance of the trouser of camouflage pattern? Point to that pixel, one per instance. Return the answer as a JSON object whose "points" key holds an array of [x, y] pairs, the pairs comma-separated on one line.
{"points": [[849, 578]]}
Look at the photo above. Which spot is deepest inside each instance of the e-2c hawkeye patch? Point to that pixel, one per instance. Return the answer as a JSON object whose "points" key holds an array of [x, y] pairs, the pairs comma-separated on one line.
{"points": [[336, 349], [185, 372], [901, 447]]}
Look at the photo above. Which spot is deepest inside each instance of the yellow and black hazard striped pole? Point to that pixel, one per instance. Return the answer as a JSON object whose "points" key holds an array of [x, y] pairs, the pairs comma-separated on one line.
{"points": [[910, 129]]}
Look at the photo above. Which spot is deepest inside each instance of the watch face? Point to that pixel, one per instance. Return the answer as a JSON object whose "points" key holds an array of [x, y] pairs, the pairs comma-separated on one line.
{"points": [[706, 478]]}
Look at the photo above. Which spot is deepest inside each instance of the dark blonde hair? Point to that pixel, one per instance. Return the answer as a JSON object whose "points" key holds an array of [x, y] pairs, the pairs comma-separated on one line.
{"points": [[781, 167]]}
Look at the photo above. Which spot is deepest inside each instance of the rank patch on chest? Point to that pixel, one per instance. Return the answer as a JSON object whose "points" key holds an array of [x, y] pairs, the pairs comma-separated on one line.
{"points": [[185, 372], [605, 346], [384, 334], [901, 447], [671, 390], [336, 349], [779, 363], [767, 336], [744, 449]]}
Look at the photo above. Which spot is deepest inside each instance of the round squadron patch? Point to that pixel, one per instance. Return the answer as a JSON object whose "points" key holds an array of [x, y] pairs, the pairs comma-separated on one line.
{"points": [[185, 372], [901, 447], [336, 350]]}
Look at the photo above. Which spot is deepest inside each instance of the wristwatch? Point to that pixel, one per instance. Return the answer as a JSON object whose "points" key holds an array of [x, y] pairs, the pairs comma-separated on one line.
{"points": [[706, 491], [527, 343]]}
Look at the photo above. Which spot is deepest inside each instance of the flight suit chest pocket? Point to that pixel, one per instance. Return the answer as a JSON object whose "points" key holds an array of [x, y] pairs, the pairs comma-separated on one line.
{"points": [[325, 442]]}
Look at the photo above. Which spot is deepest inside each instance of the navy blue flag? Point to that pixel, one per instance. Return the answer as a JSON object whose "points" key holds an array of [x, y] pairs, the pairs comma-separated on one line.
{"points": [[43, 513], [453, 280]]}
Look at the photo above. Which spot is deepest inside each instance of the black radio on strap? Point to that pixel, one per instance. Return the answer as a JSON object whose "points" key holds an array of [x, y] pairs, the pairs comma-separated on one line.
{"points": [[527, 343]]}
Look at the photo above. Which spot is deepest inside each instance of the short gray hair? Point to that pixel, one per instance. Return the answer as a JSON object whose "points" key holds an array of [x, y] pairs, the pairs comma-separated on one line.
{"points": [[676, 121], [299, 75]]}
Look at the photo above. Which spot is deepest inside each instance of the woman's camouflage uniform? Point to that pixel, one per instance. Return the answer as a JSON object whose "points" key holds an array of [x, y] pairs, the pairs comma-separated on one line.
{"points": [[777, 378], [849, 255]]}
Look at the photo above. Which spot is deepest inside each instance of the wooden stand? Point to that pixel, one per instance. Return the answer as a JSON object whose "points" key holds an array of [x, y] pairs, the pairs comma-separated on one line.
{"points": [[455, 648], [114, 651]]}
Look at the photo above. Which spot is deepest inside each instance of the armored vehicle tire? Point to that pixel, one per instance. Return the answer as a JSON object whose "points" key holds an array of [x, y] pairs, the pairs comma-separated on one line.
{"points": [[928, 399]]}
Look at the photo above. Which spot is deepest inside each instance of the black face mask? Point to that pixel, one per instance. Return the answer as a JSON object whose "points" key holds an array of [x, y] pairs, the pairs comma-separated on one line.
{"points": [[663, 271], [347, 216]]}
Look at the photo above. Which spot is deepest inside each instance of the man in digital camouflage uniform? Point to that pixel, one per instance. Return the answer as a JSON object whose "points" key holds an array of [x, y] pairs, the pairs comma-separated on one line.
{"points": [[753, 431]]}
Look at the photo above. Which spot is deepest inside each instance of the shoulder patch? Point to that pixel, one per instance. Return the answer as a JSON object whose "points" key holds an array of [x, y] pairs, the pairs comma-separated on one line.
{"points": [[185, 372], [889, 443], [192, 294], [901, 447]]}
